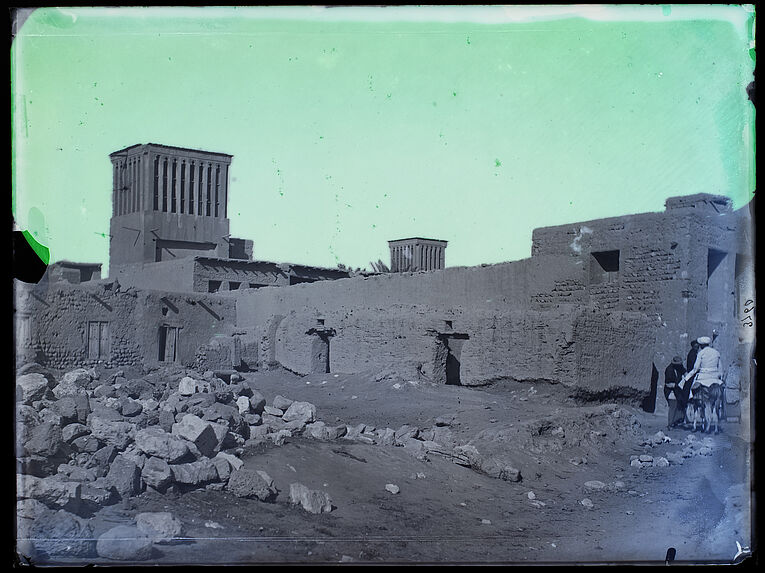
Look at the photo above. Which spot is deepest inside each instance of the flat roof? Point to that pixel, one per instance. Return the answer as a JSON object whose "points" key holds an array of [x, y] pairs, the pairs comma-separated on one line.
{"points": [[169, 147], [281, 266], [418, 239]]}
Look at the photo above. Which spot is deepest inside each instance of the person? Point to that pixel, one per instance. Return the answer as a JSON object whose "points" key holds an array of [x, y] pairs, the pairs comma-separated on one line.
{"points": [[706, 369], [674, 393], [691, 359]]}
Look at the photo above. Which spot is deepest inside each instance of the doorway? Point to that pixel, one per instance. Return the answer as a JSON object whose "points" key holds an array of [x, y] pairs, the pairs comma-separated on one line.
{"points": [[447, 364], [168, 343]]}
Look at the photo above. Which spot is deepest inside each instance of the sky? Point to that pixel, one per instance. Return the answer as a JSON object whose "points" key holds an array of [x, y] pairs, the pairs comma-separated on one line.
{"points": [[350, 127]]}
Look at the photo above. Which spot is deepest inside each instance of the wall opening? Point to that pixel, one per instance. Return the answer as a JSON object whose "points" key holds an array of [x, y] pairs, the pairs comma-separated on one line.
{"points": [[168, 343], [447, 361], [234, 285], [213, 286], [604, 267], [716, 285], [297, 280]]}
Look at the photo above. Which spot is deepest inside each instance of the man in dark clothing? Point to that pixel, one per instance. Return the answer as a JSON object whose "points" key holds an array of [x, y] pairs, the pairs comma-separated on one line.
{"points": [[691, 360], [673, 393]]}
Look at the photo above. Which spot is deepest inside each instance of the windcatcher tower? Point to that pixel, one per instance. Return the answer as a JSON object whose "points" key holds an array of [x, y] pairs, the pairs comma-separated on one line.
{"points": [[168, 203]]}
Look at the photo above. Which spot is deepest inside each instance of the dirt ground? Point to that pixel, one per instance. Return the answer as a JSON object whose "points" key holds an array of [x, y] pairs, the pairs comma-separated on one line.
{"points": [[448, 513]]}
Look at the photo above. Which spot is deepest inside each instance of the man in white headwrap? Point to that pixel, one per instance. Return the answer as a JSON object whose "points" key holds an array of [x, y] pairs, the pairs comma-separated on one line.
{"points": [[707, 366], [706, 369]]}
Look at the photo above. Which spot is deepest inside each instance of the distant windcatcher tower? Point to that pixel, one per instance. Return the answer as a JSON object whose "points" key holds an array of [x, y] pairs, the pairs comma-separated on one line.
{"points": [[170, 203], [417, 254]]}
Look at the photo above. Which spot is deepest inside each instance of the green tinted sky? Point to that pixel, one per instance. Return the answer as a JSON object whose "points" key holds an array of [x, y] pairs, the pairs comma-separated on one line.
{"points": [[350, 127]]}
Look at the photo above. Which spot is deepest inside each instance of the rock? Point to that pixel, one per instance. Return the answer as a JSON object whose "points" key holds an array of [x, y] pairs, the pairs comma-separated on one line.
{"points": [[51, 491], [73, 408], [281, 402], [249, 484], [645, 458], [320, 431], [31, 509], [102, 458], [704, 451], [115, 433], [87, 444], [594, 485], [675, 458], [125, 543], [661, 463], [442, 421], [97, 497], [131, 407], [125, 476], [404, 433], [187, 386], [63, 535], [303, 411], [51, 417], [636, 463], [161, 526], [234, 461], [257, 402], [156, 442], [45, 440], [278, 438], [76, 473], [223, 467], [587, 503], [392, 488], [386, 436], [312, 501], [243, 405], [273, 411], [198, 432], [195, 473], [79, 377], [30, 388], [105, 391], [156, 473]]}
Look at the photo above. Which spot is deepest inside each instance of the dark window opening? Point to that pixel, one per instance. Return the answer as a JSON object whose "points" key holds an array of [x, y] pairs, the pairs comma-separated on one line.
{"points": [[298, 280], [209, 189], [156, 183], [164, 186], [604, 267], [200, 188], [183, 187], [98, 340], [172, 188], [448, 323], [168, 343], [213, 286], [233, 285], [254, 285], [217, 188], [192, 167], [716, 285], [320, 320]]}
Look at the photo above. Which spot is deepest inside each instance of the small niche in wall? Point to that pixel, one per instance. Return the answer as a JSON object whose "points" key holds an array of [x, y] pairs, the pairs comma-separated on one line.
{"points": [[213, 286], [604, 267]]}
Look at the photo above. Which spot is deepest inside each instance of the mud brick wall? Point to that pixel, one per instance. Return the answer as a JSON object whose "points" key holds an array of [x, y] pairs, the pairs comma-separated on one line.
{"points": [[199, 318], [243, 273], [498, 286], [59, 317], [166, 275], [60, 313], [613, 350]]}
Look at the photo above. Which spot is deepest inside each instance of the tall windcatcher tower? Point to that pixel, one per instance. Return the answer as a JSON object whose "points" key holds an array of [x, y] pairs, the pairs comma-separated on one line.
{"points": [[168, 203]]}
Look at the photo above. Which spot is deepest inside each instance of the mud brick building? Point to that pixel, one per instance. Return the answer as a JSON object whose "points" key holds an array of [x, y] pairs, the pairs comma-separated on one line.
{"points": [[600, 306]]}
